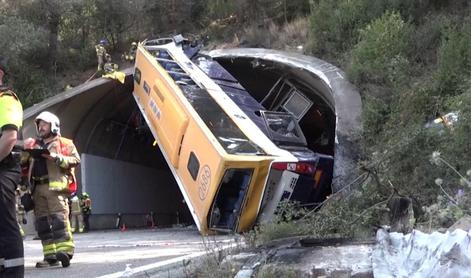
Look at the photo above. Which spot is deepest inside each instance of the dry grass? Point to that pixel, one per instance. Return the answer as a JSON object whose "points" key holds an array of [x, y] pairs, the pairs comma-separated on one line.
{"points": [[287, 37]]}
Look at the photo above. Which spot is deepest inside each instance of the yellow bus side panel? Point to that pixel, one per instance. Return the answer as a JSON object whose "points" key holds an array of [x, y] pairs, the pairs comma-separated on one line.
{"points": [[172, 123], [162, 108], [202, 190]]}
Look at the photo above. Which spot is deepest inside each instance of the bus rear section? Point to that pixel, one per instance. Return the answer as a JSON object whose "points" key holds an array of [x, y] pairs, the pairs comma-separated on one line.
{"points": [[306, 183]]}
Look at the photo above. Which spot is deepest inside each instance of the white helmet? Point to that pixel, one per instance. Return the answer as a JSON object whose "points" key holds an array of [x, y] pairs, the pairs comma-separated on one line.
{"points": [[48, 117]]}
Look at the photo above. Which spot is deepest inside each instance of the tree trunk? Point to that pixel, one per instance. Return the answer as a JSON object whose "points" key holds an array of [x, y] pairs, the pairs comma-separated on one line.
{"points": [[53, 26]]}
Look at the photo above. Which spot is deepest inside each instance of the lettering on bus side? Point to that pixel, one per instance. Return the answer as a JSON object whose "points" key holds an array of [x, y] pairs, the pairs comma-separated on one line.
{"points": [[204, 181], [154, 108], [146, 88]]}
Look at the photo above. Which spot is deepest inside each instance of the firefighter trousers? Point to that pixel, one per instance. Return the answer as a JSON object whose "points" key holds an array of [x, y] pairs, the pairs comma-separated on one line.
{"points": [[51, 210], [11, 242], [76, 222]]}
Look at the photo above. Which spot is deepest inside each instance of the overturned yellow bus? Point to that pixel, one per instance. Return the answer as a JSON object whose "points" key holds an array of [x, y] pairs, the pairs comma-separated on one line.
{"points": [[233, 159]]}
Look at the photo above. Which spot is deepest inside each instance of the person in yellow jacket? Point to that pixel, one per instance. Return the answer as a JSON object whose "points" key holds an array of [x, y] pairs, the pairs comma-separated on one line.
{"points": [[50, 174], [111, 70], [131, 55], [76, 214], [100, 49], [11, 242]]}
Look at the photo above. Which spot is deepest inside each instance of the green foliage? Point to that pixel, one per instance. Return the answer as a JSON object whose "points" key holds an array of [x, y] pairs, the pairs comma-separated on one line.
{"points": [[375, 113], [280, 227], [456, 144], [24, 46], [454, 60], [381, 55], [334, 26], [274, 271]]}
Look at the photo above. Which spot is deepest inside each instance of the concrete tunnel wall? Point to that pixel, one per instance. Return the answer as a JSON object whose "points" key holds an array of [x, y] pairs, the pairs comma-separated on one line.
{"points": [[122, 173], [86, 110]]}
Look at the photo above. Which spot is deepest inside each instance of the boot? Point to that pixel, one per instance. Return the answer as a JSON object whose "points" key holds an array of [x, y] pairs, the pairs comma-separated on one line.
{"points": [[64, 258], [47, 262]]}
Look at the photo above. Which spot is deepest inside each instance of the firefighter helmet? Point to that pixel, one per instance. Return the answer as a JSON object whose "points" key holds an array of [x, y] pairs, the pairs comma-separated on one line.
{"points": [[103, 41], [48, 117]]}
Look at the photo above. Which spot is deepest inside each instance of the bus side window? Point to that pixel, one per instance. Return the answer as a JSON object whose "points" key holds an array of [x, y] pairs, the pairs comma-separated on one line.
{"points": [[193, 165]]}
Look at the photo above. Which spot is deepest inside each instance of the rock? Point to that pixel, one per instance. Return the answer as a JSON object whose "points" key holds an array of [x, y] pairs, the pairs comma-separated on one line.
{"points": [[401, 214], [464, 223]]}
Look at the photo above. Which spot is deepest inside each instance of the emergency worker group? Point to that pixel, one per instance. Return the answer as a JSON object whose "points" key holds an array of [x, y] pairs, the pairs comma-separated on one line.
{"points": [[44, 167]]}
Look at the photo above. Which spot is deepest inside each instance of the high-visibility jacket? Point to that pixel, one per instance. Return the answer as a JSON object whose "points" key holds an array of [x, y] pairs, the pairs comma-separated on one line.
{"points": [[61, 172], [86, 204], [75, 205], [11, 111]]}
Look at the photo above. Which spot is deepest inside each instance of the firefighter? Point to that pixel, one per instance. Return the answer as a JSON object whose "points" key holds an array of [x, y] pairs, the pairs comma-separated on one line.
{"points": [[51, 174], [86, 207], [109, 66], [131, 55], [100, 49], [76, 220], [110, 70], [11, 242]]}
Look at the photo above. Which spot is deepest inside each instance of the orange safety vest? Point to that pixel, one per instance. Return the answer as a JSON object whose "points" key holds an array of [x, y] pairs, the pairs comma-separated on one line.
{"points": [[64, 150]]}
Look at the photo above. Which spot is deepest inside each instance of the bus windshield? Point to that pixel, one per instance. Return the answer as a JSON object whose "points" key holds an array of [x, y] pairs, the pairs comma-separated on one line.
{"points": [[283, 128]]}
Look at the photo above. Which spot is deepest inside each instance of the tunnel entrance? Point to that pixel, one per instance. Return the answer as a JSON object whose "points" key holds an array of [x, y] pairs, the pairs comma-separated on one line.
{"points": [[125, 170], [122, 170]]}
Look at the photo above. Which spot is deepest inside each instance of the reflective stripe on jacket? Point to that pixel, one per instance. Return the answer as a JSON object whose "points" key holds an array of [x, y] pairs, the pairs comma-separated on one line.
{"points": [[61, 171]]}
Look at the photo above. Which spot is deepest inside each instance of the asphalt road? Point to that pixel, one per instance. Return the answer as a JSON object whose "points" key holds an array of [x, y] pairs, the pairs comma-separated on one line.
{"points": [[106, 253]]}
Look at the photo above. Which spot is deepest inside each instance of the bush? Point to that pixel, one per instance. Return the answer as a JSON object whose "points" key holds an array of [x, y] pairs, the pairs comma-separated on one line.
{"points": [[334, 26], [454, 60], [281, 226], [375, 114], [381, 55], [275, 271], [24, 46]]}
